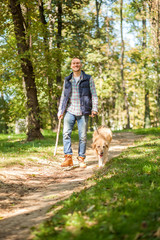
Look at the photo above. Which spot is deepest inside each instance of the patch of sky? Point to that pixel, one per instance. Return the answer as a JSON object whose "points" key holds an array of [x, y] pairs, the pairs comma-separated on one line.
{"points": [[130, 35]]}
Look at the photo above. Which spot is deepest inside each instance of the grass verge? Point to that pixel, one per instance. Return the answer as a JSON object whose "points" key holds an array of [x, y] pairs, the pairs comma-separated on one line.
{"points": [[15, 150], [124, 203]]}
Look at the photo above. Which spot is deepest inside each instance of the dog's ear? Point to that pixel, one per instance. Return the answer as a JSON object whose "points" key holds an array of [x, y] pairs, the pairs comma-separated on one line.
{"points": [[107, 145]]}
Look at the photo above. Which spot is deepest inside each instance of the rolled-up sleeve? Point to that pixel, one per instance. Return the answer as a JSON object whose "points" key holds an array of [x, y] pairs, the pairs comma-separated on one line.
{"points": [[94, 95]]}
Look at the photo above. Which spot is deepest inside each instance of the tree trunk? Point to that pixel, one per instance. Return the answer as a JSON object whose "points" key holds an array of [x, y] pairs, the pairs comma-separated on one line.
{"points": [[4, 114], [154, 6], [58, 59], [158, 60], [27, 69], [122, 67], [98, 35], [46, 41], [98, 7], [147, 120], [59, 39]]}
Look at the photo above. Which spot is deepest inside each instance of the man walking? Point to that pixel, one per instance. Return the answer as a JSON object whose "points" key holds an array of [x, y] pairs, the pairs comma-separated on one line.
{"points": [[78, 101]]}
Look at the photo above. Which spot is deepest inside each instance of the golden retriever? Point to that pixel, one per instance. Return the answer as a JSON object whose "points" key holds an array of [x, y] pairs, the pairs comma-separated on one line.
{"points": [[102, 138]]}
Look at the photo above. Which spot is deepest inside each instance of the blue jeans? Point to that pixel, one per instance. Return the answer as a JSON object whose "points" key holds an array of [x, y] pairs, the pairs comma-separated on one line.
{"points": [[68, 124]]}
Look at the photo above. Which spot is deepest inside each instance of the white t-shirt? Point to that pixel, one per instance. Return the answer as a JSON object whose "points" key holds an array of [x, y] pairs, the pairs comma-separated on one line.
{"points": [[77, 79]]}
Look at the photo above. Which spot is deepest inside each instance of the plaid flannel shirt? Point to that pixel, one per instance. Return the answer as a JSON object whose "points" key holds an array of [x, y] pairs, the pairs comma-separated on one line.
{"points": [[74, 101]]}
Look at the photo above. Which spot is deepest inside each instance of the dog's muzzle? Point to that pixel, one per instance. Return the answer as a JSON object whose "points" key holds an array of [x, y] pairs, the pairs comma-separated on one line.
{"points": [[101, 154]]}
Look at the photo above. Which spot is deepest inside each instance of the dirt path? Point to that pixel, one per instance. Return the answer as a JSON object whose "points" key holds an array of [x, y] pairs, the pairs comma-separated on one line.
{"points": [[27, 192]]}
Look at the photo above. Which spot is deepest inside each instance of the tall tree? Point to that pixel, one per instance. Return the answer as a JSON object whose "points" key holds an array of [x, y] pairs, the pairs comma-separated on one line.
{"points": [[154, 7], [59, 40], [3, 113], [98, 7], [147, 119], [98, 36], [58, 60], [122, 67], [27, 69], [90, 32], [47, 53]]}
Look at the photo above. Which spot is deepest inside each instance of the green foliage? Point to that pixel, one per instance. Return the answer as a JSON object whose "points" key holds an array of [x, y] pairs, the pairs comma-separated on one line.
{"points": [[122, 204], [98, 47]]}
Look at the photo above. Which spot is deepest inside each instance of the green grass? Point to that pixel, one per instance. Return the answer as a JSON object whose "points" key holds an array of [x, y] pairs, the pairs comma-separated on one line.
{"points": [[124, 203], [143, 131], [14, 149]]}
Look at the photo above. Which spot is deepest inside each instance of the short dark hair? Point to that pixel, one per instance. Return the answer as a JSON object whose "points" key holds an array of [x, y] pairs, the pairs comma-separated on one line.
{"points": [[76, 58]]}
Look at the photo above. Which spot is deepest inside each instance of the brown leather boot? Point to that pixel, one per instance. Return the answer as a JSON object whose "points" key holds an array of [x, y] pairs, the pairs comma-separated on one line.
{"points": [[68, 161], [81, 162]]}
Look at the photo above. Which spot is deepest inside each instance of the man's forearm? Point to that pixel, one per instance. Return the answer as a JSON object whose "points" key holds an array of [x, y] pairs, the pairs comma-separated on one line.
{"points": [[94, 96]]}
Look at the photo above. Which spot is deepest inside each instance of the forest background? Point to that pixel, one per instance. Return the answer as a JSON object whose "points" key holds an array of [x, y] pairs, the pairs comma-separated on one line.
{"points": [[117, 40]]}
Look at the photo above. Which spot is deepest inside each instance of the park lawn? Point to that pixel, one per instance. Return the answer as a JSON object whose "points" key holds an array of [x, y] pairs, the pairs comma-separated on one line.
{"points": [[122, 203], [15, 150]]}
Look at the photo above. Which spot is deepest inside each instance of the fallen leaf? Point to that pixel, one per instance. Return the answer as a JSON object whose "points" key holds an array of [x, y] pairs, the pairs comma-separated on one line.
{"points": [[157, 233], [90, 208], [138, 236]]}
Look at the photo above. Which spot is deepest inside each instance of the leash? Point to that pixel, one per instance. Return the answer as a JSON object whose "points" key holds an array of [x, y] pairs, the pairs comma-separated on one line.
{"points": [[57, 138], [95, 124]]}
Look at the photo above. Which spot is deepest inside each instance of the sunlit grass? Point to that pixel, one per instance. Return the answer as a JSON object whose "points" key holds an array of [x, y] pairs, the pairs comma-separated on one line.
{"points": [[124, 203], [14, 149]]}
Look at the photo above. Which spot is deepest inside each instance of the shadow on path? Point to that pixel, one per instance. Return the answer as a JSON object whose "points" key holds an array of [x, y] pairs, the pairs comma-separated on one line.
{"points": [[49, 185]]}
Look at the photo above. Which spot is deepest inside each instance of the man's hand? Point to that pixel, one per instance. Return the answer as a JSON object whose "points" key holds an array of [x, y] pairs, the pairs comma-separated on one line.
{"points": [[93, 114], [60, 116]]}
